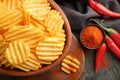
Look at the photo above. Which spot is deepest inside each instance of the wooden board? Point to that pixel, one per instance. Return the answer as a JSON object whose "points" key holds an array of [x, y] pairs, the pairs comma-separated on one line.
{"points": [[56, 73]]}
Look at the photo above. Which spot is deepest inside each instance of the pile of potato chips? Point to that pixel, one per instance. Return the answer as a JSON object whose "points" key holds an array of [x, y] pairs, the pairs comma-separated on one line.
{"points": [[31, 34]]}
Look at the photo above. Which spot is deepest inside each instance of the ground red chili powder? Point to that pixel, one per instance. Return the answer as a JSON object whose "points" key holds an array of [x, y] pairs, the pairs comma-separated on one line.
{"points": [[105, 63], [91, 36]]}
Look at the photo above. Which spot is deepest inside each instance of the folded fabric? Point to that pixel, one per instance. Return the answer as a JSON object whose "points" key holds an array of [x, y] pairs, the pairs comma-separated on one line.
{"points": [[78, 12]]}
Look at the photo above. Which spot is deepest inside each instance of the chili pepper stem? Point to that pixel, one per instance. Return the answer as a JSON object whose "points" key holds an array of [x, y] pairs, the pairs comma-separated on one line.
{"points": [[109, 31]]}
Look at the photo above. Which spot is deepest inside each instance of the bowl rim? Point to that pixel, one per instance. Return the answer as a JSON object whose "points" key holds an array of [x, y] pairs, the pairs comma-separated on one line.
{"points": [[67, 46], [97, 27]]}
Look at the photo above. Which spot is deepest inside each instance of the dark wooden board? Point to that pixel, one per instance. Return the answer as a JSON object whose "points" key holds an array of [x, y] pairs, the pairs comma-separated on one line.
{"points": [[56, 73]]}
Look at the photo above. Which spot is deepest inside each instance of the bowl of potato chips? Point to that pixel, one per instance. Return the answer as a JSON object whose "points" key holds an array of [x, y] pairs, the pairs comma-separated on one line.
{"points": [[34, 36]]}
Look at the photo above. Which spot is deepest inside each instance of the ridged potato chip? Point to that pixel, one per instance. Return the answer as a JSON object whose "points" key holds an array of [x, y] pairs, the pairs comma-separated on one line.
{"points": [[70, 64], [39, 1], [37, 8], [45, 62], [3, 45], [37, 23], [26, 17], [48, 58], [4, 61], [2, 8], [28, 34], [49, 49], [17, 52], [11, 4], [52, 43], [54, 22], [65, 70], [61, 36], [74, 60], [32, 63], [10, 18]]}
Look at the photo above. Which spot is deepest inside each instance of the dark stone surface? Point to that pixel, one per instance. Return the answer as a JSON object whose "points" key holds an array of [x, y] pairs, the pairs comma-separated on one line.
{"points": [[78, 13]]}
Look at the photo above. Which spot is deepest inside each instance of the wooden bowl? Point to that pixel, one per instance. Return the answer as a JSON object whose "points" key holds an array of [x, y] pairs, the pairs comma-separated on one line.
{"points": [[16, 72]]}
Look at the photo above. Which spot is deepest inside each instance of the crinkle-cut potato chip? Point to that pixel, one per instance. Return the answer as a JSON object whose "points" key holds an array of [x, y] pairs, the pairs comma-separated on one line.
{"points": [[60, 36], [4, 61], [49, 49], [48, 58], [54, 22], [12, 4], [52, 45], [32, 63], [49, 53], [26, 17], [39, 1], [68, 67], [70, 64], [37, 8], [65, 70], [37, 23], [45, 62], [10, 18], [75, 60], [17, 52], [73, 63], [29, 34], [3, 45], [2, 9]]}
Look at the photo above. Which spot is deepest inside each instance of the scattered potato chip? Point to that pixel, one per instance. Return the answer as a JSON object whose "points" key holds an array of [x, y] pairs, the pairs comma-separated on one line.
{"points": [[70, 64], [74, 60], [65, 70], [17, 52]]}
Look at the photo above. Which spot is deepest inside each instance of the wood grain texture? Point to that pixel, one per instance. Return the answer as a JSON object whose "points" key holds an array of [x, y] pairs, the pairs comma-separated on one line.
{"points": [[56, 73]]}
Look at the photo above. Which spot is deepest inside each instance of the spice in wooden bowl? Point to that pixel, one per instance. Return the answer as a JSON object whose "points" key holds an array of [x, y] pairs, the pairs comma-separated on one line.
{"points": [[92, 36]]}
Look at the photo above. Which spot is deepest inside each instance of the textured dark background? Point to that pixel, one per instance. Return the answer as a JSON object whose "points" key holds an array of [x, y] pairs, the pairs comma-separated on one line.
{"points": [[78, 12]]}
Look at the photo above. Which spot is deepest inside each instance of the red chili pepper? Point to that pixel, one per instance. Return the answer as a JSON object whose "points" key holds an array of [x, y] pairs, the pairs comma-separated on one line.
{"points": [[111, 32], [119, 1], [99, 55], [102, 9], [113, 47]]}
